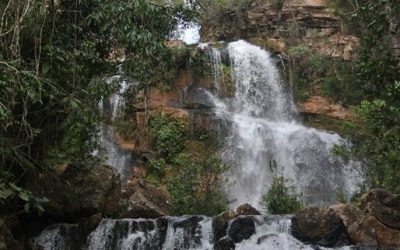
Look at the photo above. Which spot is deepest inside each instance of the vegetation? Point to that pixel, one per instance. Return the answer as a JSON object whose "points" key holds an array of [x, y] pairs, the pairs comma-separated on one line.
{"points": [[333, 78], [195, 186], [281, 198], [54, 57], [377, 128], [193, 180], [169, 136]]}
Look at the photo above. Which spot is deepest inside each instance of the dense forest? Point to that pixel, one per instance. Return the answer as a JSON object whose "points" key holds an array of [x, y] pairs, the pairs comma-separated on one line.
{"points": [[56, 57]]}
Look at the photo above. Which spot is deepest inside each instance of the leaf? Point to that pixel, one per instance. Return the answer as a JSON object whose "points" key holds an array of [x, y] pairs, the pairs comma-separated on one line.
{"points": [[24, 196], [45, 68], [5, 193], [27, 207], [15, 187]]}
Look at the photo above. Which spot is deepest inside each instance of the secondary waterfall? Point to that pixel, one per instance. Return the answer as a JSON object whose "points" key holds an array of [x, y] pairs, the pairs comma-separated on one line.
{"points": [[112, 153], [267, 140]]}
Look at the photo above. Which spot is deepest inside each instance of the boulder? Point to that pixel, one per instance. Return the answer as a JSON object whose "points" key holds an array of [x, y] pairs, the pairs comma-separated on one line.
{"points": [[221, 223], [247, 209], [59, 236], [379, 222], [224, 244], [144, 200], [348, 213], [320, 226], [80, 191], [241, 229], [384, 206], [376, 225]]}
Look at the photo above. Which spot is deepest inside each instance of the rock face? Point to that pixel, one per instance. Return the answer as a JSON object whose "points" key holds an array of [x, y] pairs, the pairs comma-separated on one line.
{"points": [[320, 226], [80, 192], [376, 225], [379, 223], [274, 27], [384, 206], [143, 200]]}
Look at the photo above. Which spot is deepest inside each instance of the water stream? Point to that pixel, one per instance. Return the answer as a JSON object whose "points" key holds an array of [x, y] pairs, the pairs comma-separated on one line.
{"points": [[112, 153], [266, 139]]}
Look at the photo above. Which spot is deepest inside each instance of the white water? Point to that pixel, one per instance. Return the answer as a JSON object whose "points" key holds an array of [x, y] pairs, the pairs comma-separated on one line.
{"points": [[215, 57], [186, 232], [114, 156], [267, 140]]}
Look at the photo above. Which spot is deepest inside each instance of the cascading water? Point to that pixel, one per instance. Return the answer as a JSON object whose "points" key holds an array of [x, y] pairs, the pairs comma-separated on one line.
{"points": [[215, 56], [113, 154], [271, 232], [266, 140]]}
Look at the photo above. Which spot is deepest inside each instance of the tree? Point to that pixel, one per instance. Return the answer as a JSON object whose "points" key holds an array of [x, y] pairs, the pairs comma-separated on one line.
{"points": [[377, 128], [54, 57]]}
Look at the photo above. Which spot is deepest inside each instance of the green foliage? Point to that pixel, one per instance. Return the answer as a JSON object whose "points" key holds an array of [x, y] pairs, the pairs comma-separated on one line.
{"points": [[193, 182], [378, 62], [281, 198], [378, 132], [169, 135], [32, 203], [54, 57], [194, 186], [299, 50], [125, 126], [377, 128], [335, 78]]}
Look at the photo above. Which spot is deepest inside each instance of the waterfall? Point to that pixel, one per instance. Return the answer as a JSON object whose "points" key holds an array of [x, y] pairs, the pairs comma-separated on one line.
{"points": [[113, 154], [267, 140], [270, 232], [215, 57], [187, 232]]}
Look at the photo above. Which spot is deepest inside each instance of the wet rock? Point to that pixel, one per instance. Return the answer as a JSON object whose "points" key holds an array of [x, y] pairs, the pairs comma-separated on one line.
{"points": [[59, 236], [378, 224], [224, 244], [88, 224], [247, 209], [320, 226], [384, 206], [143, 200], [347, 212], [197, 98], [221, 223], [241, 229]]}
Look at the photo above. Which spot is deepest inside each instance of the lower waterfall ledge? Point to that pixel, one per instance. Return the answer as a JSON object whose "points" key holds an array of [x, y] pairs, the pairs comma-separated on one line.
{"points": [[342, 226]]}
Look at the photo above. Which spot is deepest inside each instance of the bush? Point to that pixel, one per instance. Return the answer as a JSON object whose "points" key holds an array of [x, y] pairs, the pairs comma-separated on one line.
{"points": [[194, 186], [281, 198], [169, 135]]}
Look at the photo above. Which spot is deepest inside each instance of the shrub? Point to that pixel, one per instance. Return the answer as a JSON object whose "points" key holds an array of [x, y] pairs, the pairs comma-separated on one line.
{"points": [[194, 186], [281, 198], [169, 135]]}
